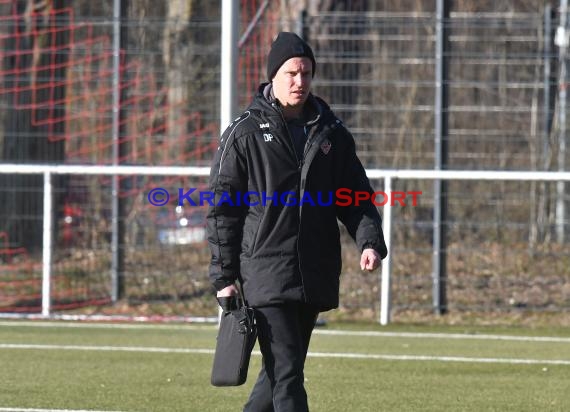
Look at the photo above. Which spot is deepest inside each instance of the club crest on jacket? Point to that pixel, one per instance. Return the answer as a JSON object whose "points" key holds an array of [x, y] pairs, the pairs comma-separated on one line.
{"points": [[326, 146]]}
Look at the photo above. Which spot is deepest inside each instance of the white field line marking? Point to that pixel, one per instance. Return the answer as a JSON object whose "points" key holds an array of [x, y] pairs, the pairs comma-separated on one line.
{"points": [[440, 358], [310, 354], [96, 325], [317, 331], [147, 349], [47, 410], [424, 335]]}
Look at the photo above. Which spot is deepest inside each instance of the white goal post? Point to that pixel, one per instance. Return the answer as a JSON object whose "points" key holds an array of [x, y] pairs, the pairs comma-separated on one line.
{"points": [[387, 175]]}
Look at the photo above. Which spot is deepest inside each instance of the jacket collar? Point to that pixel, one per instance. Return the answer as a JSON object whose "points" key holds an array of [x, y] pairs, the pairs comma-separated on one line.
{"points": [[312, 111]]}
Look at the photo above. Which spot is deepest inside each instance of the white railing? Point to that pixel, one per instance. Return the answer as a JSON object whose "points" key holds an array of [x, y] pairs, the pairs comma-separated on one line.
{"points": [[387, 175]]}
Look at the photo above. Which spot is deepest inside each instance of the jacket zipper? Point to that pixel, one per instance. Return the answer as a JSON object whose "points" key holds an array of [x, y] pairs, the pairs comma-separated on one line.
{"points": [[299, 163], [292, 146]]}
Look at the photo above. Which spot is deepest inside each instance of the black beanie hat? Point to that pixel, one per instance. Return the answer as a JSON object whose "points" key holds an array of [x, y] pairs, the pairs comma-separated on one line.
{"points": [[286, 46]]}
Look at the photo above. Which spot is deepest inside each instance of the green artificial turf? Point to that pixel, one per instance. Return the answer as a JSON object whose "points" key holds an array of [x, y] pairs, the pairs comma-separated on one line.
{"points": [[122, 370]]}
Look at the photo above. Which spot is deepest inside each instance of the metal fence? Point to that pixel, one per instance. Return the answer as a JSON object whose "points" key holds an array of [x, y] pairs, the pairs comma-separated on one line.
{"points": [[79, 88]]}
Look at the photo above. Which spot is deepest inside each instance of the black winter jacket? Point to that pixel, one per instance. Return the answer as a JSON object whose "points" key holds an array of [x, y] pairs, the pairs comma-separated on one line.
{"points": [[273, 223]]}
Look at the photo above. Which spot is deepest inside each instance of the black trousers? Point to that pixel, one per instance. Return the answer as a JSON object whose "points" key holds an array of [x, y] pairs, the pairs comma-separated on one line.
{"points": [[284, 332]]}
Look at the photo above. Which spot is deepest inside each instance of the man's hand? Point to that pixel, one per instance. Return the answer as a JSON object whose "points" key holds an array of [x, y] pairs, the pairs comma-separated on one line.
{"points": [[231, 290], [369, 260]]}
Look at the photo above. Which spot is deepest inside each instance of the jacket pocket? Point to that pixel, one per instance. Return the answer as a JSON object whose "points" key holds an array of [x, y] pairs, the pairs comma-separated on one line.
{"points": [[250, 234]]}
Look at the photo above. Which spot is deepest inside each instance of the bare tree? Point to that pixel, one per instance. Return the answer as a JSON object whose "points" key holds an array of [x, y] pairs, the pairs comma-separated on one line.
{"points": [[29, 137]]}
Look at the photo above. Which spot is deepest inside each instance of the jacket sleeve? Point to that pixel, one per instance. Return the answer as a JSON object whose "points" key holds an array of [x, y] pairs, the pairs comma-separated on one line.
{"points": [[224, 221], [363, 222]]}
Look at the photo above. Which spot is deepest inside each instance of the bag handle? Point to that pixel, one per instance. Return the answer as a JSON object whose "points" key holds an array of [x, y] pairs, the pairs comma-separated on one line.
{"points": [[235, 302]]}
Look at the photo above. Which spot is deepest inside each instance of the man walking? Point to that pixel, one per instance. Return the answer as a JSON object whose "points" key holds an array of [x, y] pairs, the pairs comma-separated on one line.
{"points": [[273, 224]]}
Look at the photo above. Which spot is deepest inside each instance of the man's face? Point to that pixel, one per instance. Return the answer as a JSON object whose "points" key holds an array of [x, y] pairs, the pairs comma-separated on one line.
{"points": [[292, 82]]}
